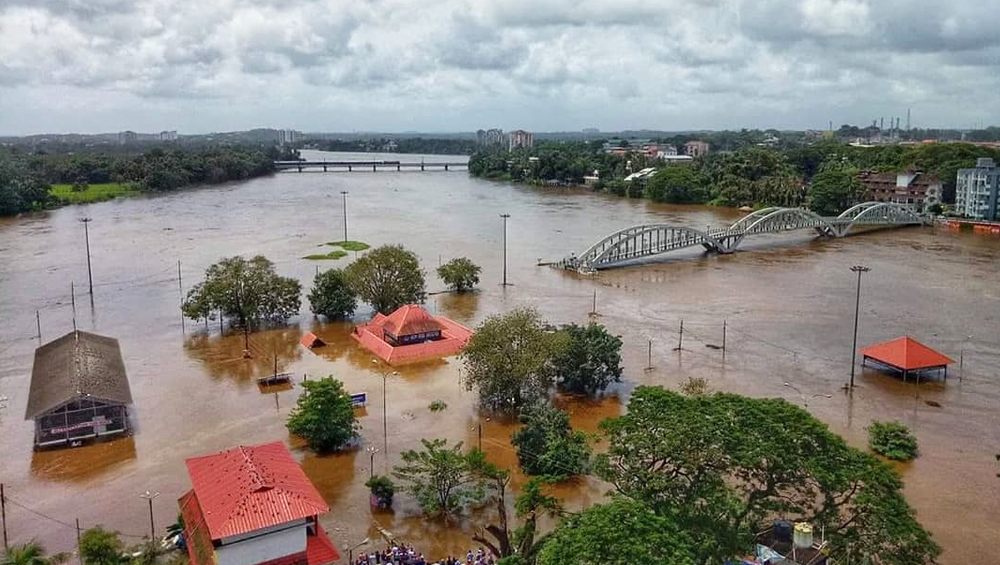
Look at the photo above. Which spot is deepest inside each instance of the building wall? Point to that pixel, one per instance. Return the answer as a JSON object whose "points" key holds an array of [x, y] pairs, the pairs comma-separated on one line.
{"points": [[274, 543], [977, 191], [80, 419]]}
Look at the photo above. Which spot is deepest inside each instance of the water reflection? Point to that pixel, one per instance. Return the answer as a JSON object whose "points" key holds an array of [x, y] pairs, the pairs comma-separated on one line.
{"points": [[223, 356], [84, 463]]}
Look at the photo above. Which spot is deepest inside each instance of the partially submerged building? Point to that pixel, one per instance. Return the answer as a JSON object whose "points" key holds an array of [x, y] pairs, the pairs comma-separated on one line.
{"points": [[254, 506], [411, 334], [79, 390]]}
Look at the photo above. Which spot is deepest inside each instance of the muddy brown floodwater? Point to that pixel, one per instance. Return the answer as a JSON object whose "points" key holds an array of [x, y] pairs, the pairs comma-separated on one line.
{"points": [[788, 302]]}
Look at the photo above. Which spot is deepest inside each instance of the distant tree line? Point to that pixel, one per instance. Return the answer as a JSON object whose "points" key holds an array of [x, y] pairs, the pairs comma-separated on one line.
{"points": [[25, 177], [430, 146], [822, 175]]}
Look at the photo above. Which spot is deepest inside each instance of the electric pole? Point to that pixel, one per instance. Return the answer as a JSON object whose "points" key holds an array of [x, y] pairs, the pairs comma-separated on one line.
{"points": [[150, 496], [344, 194], [90, 272], [857, 310], [504, 216]]}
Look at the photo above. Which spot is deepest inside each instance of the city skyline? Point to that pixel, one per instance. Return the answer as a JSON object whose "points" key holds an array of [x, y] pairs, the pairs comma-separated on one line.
{"points": [[456, 66]]}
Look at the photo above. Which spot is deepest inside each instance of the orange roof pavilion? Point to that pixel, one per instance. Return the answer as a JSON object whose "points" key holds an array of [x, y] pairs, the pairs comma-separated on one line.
{"points": [[906, 354], [411, 334]]}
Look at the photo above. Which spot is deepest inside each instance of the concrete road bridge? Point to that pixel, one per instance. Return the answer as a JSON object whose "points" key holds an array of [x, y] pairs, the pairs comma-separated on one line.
{"points": [[640, 242], [373, 165]]}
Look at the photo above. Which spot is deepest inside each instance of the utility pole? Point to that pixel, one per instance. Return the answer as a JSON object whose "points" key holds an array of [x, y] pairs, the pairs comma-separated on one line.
{"points": [[38, 321], [72, 295], [90, 272], [79, 554], [723, 338], [593, 310], [680, 337], [3, 516], [504, 216], [344, 194], [149, 496], [857, 310], [180, 291], [649, 356]]}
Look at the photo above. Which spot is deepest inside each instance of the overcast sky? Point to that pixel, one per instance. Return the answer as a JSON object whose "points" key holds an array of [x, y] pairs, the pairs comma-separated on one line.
{"points": [[457, 65]]}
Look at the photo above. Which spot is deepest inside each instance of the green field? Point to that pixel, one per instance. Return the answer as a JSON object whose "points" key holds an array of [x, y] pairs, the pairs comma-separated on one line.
{"points": [[349, 245], [94, 193], [326, 256]]}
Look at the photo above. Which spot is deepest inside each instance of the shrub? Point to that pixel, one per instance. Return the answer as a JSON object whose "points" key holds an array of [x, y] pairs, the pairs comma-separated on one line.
{"points": [[383, 489], [892, 440], [437, 406]]}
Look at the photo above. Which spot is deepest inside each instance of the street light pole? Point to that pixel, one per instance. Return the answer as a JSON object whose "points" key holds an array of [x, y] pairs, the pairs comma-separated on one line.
{"points": [[504, 216], [372, 450], [350, 551], [344, 193], [86, 236], [385, 415], [149, 496], [857, 311]]}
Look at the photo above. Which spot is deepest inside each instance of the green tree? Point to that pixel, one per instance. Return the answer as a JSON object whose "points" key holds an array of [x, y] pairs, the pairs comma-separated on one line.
{"points": [[507, 360], [590, 360], [20, 189], [101, 547], [323, 415], [31, 553], [834, 189], [892, 440], [249, 292], [460, 274], [621, 532], [708, 463], [547, 445], [388, 277], [439, 477], [676, 185], [332, 296], [383, 489]]}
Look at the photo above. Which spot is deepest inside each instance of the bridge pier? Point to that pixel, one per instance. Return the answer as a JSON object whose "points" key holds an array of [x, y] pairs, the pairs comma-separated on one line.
{"points": [[349, 169], [300, 169], [324, 168], [397, 168], [446, 166], [373, 168], [421, 165]]}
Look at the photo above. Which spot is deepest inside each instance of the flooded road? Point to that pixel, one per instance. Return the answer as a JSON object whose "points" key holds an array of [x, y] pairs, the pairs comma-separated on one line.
{"points": [[787, 302]]}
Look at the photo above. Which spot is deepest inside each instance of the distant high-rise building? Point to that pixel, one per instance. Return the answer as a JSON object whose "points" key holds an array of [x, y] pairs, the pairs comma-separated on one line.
{"points": [[696, 148], [977, 191], [168, 135], [126, 137], [481, 136], [521, 138], [494, 136], [287, 136]]}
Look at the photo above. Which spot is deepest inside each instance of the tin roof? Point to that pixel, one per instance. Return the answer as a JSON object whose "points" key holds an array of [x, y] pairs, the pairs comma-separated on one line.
{"points": [[907, 354], [409, 320], [249, 488], [77, 364]]}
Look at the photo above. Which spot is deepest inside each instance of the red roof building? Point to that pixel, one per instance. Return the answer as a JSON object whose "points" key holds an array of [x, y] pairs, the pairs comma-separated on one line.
{"points": [[411, 334], [906, 354], [254, 506]]}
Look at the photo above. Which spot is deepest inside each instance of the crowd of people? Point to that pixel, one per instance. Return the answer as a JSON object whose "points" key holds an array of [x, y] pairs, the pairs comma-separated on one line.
{"points": [[403, 554]]}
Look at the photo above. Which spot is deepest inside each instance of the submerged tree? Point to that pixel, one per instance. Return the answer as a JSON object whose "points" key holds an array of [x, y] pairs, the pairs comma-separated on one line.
{"points": [[388, 277], [461, 274], [332, 296], [590, 361], [101, 547], [31, 553], [709, 464], [324, 415], [508, 357], [248, 292], [439, 476], [547, 445]]}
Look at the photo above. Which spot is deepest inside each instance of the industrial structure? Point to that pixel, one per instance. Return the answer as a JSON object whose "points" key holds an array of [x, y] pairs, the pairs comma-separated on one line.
{"points": [[254, 506], [79, 390], [640, 242]]}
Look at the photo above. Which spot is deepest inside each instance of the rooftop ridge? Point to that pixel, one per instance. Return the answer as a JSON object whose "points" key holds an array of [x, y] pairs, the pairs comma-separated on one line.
{"points": [[259, 477]]}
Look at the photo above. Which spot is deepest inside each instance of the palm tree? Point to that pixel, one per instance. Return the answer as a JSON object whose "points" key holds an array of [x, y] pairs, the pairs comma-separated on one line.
{"points": [[31, 553]]}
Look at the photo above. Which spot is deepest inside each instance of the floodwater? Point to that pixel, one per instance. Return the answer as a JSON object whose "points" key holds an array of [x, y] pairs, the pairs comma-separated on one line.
{"points": [[787, 302]]}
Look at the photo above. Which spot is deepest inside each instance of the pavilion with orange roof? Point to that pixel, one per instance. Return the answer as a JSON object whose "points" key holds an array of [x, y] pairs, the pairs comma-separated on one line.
{"points": [[906, 355], [411, 334]]}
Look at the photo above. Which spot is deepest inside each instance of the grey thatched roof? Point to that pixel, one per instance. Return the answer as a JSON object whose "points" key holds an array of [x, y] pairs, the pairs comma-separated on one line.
{"points": [[77, 364]]}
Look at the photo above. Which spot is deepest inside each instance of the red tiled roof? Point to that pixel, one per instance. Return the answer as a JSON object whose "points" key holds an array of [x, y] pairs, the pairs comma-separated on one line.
{"points": [[249, 488], [907, 354], [319, 549], [454, 337], [310, 340], [408, 320]]}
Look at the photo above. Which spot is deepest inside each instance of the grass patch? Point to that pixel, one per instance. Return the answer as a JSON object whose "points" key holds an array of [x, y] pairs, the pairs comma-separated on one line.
{"points": [[94, 193], [437, 406], [331, 256], [349, 245]]}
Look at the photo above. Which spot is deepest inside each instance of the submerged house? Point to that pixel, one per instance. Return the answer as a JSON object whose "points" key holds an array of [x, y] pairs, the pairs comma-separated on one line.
{"points": [[79, 390], [411, 334], [254, 506]]}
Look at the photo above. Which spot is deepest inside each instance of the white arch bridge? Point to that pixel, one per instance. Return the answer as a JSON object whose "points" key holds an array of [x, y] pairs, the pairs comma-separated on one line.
{"points": [[639, 242]]}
